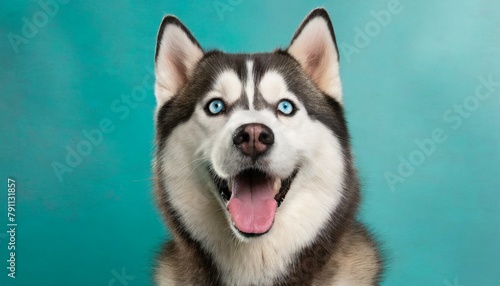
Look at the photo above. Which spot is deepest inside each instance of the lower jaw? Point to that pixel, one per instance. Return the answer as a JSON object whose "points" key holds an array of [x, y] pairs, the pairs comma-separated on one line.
{"points": [[251, 235]]}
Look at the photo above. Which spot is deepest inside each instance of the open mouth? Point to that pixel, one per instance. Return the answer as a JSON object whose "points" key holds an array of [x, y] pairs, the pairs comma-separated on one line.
{"points": [[252, 198]]}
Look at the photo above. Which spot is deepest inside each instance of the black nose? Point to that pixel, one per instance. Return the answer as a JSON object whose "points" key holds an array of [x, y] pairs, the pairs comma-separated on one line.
{"points": [[253, 139]]}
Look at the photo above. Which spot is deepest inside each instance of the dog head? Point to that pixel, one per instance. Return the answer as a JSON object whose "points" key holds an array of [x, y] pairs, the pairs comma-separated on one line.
{"points": [[243, 134]]}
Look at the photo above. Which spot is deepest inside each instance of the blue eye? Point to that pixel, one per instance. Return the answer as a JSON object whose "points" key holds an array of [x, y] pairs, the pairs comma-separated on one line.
{"points": [[215, 106], [286, 107]]}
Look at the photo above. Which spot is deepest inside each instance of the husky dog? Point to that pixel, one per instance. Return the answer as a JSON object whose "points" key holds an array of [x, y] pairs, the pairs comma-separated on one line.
{"points": [[253, 171]]}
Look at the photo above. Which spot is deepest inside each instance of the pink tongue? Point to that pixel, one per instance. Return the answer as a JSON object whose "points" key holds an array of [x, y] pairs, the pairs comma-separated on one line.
{"points": [[252, 204]]}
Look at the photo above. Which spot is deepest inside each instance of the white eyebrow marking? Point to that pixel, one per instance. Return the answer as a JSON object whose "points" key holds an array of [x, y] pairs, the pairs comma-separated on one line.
{"points": [[228, 85], [273, 87]]}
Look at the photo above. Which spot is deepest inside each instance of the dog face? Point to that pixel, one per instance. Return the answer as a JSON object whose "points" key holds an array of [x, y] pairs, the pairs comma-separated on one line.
{"points": [[245, 133]]}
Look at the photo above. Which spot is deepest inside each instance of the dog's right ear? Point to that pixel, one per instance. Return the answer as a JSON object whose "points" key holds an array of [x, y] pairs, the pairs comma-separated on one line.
{"points": [[177, 53]]}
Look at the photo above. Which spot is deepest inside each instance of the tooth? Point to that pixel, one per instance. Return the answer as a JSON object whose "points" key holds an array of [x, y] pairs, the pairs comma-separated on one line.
{"points": [[229, 186], [276, 185]]}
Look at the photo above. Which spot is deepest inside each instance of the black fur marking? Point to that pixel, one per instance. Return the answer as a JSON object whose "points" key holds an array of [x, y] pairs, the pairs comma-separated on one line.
{"points": [[171, 114], [259, 69], [259, 103]]}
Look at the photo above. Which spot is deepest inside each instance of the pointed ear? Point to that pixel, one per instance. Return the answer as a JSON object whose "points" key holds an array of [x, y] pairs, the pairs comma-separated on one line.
{"points": [[315, 48], [177, 53]]}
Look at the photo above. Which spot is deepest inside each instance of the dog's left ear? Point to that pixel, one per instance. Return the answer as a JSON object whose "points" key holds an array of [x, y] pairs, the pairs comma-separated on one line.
{"points": [[315, 48]]}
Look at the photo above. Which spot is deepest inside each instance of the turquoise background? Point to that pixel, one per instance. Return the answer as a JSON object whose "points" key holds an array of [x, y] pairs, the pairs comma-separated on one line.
{"points": [[440, 225]]}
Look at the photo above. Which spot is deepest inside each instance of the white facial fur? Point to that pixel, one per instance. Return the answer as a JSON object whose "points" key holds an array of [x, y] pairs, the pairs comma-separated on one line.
{"points": [[286, 151], [228, 86], [299, 142]]}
